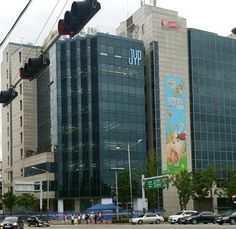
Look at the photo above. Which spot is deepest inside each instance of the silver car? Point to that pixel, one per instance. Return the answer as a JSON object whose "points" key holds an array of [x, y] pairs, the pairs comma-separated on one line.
{"points": [[147, 218]]}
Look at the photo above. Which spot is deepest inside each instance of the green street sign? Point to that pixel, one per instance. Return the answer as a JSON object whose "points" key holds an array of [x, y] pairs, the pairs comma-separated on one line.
{"points": [[160, 182]]}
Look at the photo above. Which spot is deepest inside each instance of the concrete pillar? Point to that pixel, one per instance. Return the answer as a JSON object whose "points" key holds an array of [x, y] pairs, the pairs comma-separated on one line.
{"points": [[60, 206]]}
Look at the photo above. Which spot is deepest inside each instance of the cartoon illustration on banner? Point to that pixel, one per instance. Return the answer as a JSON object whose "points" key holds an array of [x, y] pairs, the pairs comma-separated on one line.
{"points": [[175, 113]]}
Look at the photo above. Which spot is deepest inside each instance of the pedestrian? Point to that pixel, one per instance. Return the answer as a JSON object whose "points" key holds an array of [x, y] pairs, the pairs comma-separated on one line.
{"points": [[95, 217], [79, 218], [72, 219], [100, 216], [86, 218]]}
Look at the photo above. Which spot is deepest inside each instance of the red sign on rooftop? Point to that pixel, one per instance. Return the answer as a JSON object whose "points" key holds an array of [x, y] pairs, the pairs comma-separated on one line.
{"points": [[170, 24]]}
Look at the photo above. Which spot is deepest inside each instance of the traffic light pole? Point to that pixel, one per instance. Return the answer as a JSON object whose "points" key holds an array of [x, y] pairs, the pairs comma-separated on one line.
{"points": [[50, 44]]}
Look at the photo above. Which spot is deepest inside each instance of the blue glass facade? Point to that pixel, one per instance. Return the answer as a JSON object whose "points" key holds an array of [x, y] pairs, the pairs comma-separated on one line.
{"points": [[212, 65], [97, 107]]}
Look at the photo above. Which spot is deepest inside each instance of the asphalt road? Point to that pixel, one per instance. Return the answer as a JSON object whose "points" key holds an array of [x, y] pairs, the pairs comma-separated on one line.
{"points": [[144, 226]]}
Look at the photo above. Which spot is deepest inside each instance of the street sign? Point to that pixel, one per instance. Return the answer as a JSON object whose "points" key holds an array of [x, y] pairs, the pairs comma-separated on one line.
{"points": [[159, 182]]}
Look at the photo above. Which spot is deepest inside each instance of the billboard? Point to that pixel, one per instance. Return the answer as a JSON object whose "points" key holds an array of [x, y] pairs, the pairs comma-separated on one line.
{"points": [[175, 115]]}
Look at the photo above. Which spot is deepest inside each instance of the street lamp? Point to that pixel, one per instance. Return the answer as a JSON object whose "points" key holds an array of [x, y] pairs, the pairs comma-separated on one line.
{"points": [[130, 174], [35, 168], [117, 200]]}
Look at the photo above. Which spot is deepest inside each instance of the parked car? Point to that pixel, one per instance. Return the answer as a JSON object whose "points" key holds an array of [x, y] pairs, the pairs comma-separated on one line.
{"points": [[227, 217], [202, 217], [37, 221], [147, 218], [12, 222], [172, 219]]}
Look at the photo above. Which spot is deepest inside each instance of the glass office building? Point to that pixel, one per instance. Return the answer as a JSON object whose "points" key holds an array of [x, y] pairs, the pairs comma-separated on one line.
{"points": [[97, 109], [212, 66]]}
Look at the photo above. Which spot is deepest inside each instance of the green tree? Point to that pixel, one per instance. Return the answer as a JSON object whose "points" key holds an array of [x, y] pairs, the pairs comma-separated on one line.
{"points": [[203, 181], [152, 168], [229, 184], [183, 183], [9, 200], [27, 201], [124, 187]]}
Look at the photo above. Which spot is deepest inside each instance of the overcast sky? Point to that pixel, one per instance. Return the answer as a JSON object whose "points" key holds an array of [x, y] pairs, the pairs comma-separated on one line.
{"points": [[211, 15]]}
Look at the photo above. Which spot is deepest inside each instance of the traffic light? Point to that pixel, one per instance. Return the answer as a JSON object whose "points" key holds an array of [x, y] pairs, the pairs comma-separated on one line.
{"points": [[34, 67], [78, 17], [6, 97]]}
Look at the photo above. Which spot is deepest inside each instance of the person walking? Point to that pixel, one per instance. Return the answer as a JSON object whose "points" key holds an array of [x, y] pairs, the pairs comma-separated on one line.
{"points": [[72, 219]]}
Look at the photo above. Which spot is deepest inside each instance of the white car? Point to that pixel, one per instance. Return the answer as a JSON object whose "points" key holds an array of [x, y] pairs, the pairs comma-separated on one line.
{"points": [[172, 219], [147, 218]]}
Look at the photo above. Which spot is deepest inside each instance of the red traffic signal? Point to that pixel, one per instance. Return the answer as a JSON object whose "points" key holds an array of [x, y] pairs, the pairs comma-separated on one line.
{"points": [[80, 14], [34, 67], [6, 97]]}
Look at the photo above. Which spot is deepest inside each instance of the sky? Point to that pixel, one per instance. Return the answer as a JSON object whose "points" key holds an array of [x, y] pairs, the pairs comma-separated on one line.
{"points": [[210, 15]]}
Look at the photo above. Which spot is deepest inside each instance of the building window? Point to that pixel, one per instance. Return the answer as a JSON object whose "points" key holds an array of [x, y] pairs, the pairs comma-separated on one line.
{"points": [[7, 117], [8, 146], [20, 105], [20, 89], [21, 137], [8, 131], [143, 31], [8, 161], [7, 56], [19, 57], [22, 172], [7, 73], [21, 121], [21, 154]]}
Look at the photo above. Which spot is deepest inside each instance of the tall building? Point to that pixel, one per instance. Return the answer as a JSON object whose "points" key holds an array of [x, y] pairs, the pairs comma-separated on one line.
{"points": [[212, 64], [190, 96], [97, 110], [25, 124], [165, 40]]}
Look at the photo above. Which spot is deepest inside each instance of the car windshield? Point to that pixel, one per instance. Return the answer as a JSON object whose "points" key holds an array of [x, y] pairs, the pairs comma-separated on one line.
{"points": [[196, 213], [10, 219], [140, 216], [178, 213], [229, 212]]}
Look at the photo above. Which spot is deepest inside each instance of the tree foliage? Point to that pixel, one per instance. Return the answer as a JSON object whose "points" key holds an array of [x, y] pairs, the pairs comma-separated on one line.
{"points": [[124, 187], [229, 184], [183, 183], [203, 181], [27, 201], [9, 200], [152, 168]]}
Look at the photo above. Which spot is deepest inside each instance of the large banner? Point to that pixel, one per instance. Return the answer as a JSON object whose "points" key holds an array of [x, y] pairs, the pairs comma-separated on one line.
{"points": [[175, 113]]}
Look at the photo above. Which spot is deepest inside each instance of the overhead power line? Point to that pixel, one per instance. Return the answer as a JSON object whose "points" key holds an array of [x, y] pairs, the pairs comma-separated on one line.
{"points": [[15, 23]]}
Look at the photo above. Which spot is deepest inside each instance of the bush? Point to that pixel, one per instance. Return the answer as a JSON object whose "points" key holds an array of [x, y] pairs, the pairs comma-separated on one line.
{"points": [[122, 219]]}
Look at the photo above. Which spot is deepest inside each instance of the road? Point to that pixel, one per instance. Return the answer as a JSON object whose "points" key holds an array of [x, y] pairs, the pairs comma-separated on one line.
{"points": [[144, 226]]}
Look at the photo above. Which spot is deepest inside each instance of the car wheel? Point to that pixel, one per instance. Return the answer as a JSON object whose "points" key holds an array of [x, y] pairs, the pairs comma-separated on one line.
{"points": [[194, 221], [133, 223], [140, 222], [220, 223], [214, 221], [232, 221], [158, 221]]}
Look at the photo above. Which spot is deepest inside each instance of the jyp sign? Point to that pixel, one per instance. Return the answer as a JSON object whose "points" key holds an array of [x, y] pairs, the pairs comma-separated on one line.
{"points": [[135, 56]]}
